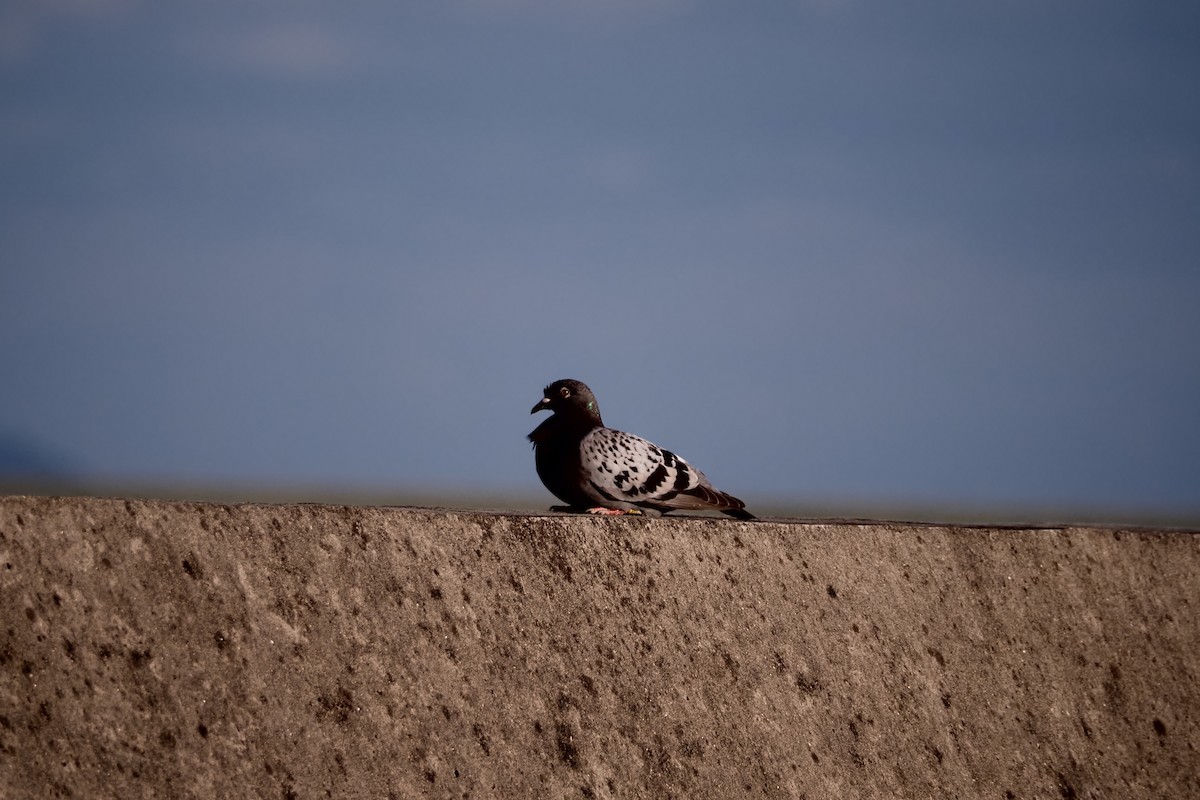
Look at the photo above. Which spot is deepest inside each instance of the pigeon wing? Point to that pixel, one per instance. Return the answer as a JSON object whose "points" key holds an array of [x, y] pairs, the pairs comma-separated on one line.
{"points": [[619, 467]]}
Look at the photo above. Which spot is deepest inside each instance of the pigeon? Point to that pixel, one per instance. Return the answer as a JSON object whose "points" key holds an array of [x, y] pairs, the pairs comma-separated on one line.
{"points": [[605, 471]]}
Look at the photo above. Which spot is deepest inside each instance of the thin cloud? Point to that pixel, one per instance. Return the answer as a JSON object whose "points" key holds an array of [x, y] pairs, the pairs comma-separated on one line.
{"points": [[294, 49], [620, 170], [284, 49], [26, 27]]}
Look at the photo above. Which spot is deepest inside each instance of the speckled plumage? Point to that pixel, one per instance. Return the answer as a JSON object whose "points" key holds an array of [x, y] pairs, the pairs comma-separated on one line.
{"points": [[589, 466]]}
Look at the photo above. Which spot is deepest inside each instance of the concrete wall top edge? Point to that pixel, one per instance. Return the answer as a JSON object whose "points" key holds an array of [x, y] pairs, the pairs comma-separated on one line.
{"points": [[155, 648]]}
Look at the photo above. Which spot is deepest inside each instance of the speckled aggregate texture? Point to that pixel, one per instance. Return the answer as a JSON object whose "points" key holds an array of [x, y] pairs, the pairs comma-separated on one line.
{"points": [[153, 649]]}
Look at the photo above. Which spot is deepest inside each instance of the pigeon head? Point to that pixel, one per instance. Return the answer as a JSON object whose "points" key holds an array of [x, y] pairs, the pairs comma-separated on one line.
{"points": [[572, 399]]}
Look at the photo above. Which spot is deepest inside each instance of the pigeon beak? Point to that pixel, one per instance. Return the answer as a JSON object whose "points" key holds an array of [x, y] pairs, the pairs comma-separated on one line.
{"points": [[541, 405]]}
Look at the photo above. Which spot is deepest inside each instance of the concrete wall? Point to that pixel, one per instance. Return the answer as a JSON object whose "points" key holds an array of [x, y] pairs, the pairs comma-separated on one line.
{"points": [[151, 649]]}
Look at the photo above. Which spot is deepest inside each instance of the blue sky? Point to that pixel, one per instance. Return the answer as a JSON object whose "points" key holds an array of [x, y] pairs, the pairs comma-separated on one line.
{"points": [[932, 255]]}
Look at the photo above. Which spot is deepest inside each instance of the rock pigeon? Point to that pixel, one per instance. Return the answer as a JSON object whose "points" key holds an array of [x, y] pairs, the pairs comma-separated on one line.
{"points": [[604, 471]]}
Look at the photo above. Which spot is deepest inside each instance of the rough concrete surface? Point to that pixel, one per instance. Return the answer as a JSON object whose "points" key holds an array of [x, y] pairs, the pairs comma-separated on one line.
{"points": [[156, 649]]}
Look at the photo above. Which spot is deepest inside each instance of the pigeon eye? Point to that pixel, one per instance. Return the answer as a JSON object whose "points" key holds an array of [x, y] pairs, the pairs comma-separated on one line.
{"points": [[565, 392]]}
